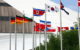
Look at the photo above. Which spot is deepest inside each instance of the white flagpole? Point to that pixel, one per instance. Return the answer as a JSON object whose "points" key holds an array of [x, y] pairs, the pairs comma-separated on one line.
{"points": [[79, 27], [39, 39], [35, 39], [23, 35], [61, 28], [33, 33], [45, 35], [15, 35], [35, 42], [9, 30]]}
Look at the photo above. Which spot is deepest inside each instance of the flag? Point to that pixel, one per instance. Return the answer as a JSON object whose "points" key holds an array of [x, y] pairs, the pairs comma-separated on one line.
{"points": [[62, 8], [23, 19], [71, 28], [38, 12], [50, 8], [78, 2], [47, 22], [41, 27], [63, 28], [27, 19], [19, 18], [12, 20], [49, 29], [77, 28]]}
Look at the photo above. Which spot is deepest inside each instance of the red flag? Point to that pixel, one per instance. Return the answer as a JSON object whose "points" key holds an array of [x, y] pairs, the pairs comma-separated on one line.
{"points": [[12, 21], [38, 12], [63, 28], [62, 8], [78, 2], [41, 27], [61, 5], [49, 29]]}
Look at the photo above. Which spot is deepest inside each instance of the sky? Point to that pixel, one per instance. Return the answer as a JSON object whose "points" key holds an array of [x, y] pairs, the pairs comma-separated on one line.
{"points": [[72, 4], [28, 5]]}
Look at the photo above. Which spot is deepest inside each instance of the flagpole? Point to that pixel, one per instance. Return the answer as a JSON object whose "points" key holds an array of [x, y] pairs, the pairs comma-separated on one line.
{"points": [[79, 27], [33, 32], [39, 39], [35, 38], [45, 33], [61, 28], [15, 35], [23, 35], [9, 30]]}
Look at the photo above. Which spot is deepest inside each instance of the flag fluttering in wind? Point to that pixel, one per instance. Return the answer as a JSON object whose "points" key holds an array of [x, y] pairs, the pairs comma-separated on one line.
{"points": [[41, 27], [49, 29], [20, 20], [63, 28], [50, 8], [47, 22], [12, 21], [27, 19], [62, 8], [78, 2], [38, 12], [72, 28]]}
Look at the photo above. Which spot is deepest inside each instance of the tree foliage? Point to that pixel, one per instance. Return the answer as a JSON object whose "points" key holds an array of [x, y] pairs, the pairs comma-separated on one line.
{"points": [[70, 41]]}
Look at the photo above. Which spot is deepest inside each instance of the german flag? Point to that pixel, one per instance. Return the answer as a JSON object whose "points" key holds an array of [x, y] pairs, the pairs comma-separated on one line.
{"points": [[19, 19], [27, 19], [12, 21]]}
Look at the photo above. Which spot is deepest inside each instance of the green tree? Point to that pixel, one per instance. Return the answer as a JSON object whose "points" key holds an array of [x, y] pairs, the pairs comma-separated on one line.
{"points": [[70, 41]]}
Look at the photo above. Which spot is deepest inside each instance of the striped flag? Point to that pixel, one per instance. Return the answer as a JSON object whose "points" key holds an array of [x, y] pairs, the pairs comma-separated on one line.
{"points": [[47, 22], [27, 19], [41, 27], [78, 2], [38, 12], [62, 8], [12, 21], [63, 28]]}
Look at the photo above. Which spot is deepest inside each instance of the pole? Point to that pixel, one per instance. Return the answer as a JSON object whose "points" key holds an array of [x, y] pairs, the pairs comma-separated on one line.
{"points": [[9, 30], [39, 39], [15, 35], [35, 39], [79, 27], [45, 35], [33, 32], [23, 35], [61, 28]]}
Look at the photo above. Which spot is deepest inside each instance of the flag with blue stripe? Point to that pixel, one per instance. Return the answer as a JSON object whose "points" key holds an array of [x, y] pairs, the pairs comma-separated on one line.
{"points": [[47, 22]]}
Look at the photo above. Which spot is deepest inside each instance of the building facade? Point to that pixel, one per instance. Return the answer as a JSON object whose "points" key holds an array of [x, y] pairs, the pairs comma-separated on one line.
{"points": [[7, 11]]}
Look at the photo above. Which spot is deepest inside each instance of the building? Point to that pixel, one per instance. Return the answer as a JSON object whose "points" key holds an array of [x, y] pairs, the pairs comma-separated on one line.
{"points": [[7, 11]]}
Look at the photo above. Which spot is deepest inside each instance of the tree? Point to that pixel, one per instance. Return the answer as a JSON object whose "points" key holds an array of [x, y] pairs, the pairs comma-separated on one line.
{"points": [[70, 41]]}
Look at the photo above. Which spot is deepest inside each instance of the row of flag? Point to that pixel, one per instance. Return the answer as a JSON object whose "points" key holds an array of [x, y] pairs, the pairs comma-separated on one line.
{"points": [[20, 20], [36, 12], [40, 27], [40, 12]]}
